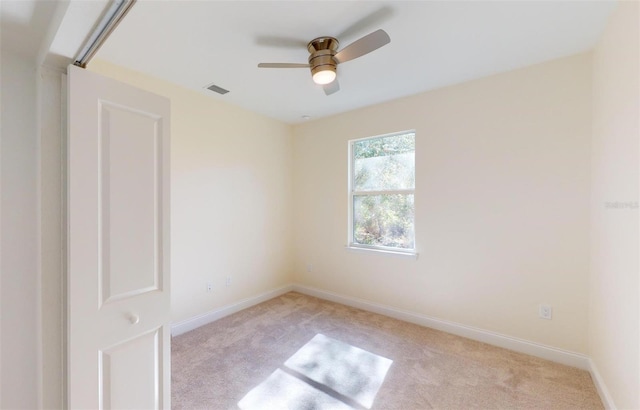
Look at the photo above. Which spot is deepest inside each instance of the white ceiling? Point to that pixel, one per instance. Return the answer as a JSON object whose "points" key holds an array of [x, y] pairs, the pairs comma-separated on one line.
{"points": [[49, 32], [24, 24], [433, 44]]}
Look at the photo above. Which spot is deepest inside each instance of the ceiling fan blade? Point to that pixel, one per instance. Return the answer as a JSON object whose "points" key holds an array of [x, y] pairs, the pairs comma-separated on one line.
{"points": [[332, 87], [363, 46], [374, 19], [283, 65]]}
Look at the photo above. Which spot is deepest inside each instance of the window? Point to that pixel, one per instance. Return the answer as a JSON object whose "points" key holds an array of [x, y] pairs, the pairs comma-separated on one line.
{"points": [[381, 192]]}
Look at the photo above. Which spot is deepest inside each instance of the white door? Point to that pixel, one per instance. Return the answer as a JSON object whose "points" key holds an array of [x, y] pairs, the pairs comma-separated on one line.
{"points": [[118, 284]]}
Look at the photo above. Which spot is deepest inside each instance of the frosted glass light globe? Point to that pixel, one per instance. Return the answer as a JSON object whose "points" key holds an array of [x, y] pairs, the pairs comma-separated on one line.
{"points": [[324, 77]]}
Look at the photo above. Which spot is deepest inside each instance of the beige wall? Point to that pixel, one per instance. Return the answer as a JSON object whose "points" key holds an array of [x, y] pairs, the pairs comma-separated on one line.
{"points": [[614, 339], [19, 298], [231, 199], [502, 204]]}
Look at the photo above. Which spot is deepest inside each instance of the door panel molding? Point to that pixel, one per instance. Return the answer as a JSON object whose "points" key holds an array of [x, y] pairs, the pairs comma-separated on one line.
{"points": [[113, 284]]}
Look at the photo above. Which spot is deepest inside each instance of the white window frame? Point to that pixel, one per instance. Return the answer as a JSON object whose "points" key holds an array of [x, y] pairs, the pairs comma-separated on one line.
{"points": [[375, 248]]}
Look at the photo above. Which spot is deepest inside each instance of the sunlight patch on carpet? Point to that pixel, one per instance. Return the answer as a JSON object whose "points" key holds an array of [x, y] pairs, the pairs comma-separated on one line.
{"points": [[324, 374], [283, 391], [348, 370]]}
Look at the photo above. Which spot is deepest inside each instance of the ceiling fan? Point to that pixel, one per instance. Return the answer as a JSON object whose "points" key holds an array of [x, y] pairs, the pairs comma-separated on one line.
{"points": [[324, 57]]}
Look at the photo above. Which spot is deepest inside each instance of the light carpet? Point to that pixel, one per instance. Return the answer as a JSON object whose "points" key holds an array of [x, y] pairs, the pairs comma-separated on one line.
{"points": [[300, 352]]}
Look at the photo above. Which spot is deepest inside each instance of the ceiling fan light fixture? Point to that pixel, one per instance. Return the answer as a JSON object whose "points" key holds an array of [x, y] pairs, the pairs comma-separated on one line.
{"points": [[325, 76], [324, 57]]}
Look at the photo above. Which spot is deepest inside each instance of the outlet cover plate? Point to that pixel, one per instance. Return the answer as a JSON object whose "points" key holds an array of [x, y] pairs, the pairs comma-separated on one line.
{"points": [[545, 312]]}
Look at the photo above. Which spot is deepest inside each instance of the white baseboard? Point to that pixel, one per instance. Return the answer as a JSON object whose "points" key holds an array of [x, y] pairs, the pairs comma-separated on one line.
{"points": [[606, 398], [508, 342], [496, 339], [519, 345], [206, 318]]}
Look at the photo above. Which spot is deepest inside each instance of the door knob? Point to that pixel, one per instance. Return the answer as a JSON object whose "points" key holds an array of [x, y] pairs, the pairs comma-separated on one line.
{"points": [[133, 318]]}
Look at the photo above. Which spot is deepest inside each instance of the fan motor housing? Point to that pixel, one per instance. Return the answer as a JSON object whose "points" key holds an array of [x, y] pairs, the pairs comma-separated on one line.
{"points": [[322, 50]]}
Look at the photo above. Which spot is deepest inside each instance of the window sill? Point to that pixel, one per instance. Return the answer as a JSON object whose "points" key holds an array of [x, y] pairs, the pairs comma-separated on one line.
{"points": [[382, 252]]}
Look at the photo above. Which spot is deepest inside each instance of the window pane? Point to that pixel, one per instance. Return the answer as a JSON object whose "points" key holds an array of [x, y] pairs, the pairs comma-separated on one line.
{"points": [[383, 220], [384, 163]]}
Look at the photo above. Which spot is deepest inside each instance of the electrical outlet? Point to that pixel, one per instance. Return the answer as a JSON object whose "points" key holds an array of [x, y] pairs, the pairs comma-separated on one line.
{"points": [[228, 281], [545, 312], [209, 286], [309, 267]]}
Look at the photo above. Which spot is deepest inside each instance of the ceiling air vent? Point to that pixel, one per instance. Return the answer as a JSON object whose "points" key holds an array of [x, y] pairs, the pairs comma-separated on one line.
{"points": [[217, 89]]}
